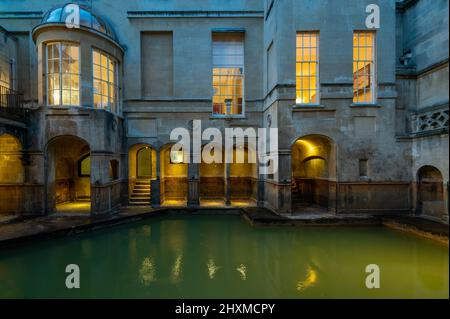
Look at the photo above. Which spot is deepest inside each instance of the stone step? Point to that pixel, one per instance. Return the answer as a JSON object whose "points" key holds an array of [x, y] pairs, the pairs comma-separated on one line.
{"points": [[143, 203], [140, 195], [142, 182], [141, 190]]}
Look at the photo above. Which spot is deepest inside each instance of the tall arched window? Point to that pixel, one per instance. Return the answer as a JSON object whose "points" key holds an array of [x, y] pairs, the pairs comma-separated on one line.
{"points": [[63, 74]]}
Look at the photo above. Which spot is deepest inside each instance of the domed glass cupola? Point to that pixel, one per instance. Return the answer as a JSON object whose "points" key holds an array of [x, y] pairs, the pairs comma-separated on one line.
{"points": [[87, 19]]}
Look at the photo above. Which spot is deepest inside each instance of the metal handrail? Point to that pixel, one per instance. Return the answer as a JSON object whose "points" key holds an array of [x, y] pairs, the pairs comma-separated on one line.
{"points": [[11, 101]]}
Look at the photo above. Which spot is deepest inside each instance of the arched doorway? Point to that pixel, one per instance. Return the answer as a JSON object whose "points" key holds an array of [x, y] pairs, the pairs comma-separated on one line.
{"points": [[68, 175], [313, 174], [12, 175], [174, 177], [212, 177], [430, 194], [141, 170], [243, 178]]}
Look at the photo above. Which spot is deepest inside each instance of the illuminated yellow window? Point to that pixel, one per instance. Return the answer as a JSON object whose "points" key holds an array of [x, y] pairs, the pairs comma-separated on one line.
{"points": [[364, 67], [105, 85], [228, 73], [307, 68], [63, 76]]}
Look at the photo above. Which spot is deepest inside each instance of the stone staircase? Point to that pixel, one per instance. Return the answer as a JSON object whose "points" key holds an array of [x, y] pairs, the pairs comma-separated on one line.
{"points": [[141, 193]]}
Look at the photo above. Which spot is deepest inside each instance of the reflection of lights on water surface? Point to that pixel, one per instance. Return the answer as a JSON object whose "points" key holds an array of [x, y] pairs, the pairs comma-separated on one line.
{"points": [[311, 279], [242, 270], [176, 269], [146, 230], [212, 268], [147, 271]]}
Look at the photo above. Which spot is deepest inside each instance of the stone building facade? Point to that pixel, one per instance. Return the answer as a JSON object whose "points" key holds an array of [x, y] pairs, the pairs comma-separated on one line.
{"points": [[362, 113]]}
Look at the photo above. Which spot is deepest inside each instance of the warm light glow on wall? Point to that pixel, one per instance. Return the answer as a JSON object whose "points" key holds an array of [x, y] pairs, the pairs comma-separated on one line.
{"points": [[176, 157]]}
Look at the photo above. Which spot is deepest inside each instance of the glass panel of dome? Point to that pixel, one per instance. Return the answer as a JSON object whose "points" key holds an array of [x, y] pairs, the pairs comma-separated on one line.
{"points": [[85, 18], [54, 16]]}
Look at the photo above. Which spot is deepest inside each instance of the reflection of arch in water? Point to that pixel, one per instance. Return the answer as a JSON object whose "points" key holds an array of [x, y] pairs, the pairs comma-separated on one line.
{"points": [[430, 192], [313, 172], [68, 179]]}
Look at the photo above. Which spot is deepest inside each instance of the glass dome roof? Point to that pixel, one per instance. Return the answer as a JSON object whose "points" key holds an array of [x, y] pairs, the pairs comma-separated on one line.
{"points": [[87, 19]]}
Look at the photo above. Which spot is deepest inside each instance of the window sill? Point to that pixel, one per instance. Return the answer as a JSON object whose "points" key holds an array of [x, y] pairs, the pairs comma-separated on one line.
{"points": [[226, 117], [308, 106], [78, 107], [365, 105]]}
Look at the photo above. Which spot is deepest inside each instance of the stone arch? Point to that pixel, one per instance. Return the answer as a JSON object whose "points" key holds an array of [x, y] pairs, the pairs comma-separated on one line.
{"points": [[314, 167], [430, 192], [174, 178], [141, 171], [243, 178], [212, 176], [68, 189], [11, 166], [12, 174]]}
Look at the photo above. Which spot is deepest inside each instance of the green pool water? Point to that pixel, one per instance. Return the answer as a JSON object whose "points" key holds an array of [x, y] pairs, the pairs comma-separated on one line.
{"points": [[224, 257]]}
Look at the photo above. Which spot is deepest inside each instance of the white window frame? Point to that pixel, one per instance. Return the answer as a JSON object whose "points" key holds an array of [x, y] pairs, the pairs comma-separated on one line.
{"points": [[60, 74], [216, 115], [373, 75], [317, 61], [116, 79]]}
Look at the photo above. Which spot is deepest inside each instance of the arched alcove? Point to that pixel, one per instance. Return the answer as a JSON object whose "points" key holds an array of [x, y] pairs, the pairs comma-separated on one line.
{"points": [[313, 172]]}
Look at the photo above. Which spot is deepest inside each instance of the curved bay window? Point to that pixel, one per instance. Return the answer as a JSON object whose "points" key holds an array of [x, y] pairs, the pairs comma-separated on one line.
{"points": [[105, 81], [63, 74]]}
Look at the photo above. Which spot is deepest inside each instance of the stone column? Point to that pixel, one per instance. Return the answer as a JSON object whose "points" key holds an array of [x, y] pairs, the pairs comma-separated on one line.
{"points": [[155, 199], [284, 182], [193, 188], [227, 184]]}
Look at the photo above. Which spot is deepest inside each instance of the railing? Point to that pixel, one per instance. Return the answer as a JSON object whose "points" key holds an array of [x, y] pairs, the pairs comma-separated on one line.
{"points": [[11, 102], [428, 121]]}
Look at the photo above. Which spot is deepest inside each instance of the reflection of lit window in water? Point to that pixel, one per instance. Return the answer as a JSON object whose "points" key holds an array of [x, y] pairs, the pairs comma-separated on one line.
{"points": [[147, 271], [146, 230], [176, 269], [311, 279], [212, 268], [242, 270]]}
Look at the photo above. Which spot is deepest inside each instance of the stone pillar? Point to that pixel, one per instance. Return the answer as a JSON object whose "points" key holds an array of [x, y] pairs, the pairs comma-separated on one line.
{"points": [[100, 190], [193, 187], [260, 192], [50, 183], [155, 199], [227, 184], [284, 182]]}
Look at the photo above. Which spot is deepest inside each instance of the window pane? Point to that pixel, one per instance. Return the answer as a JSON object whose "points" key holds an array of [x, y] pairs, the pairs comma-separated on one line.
{"points": [[74, 100], [97, 73], [96, 57]]}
